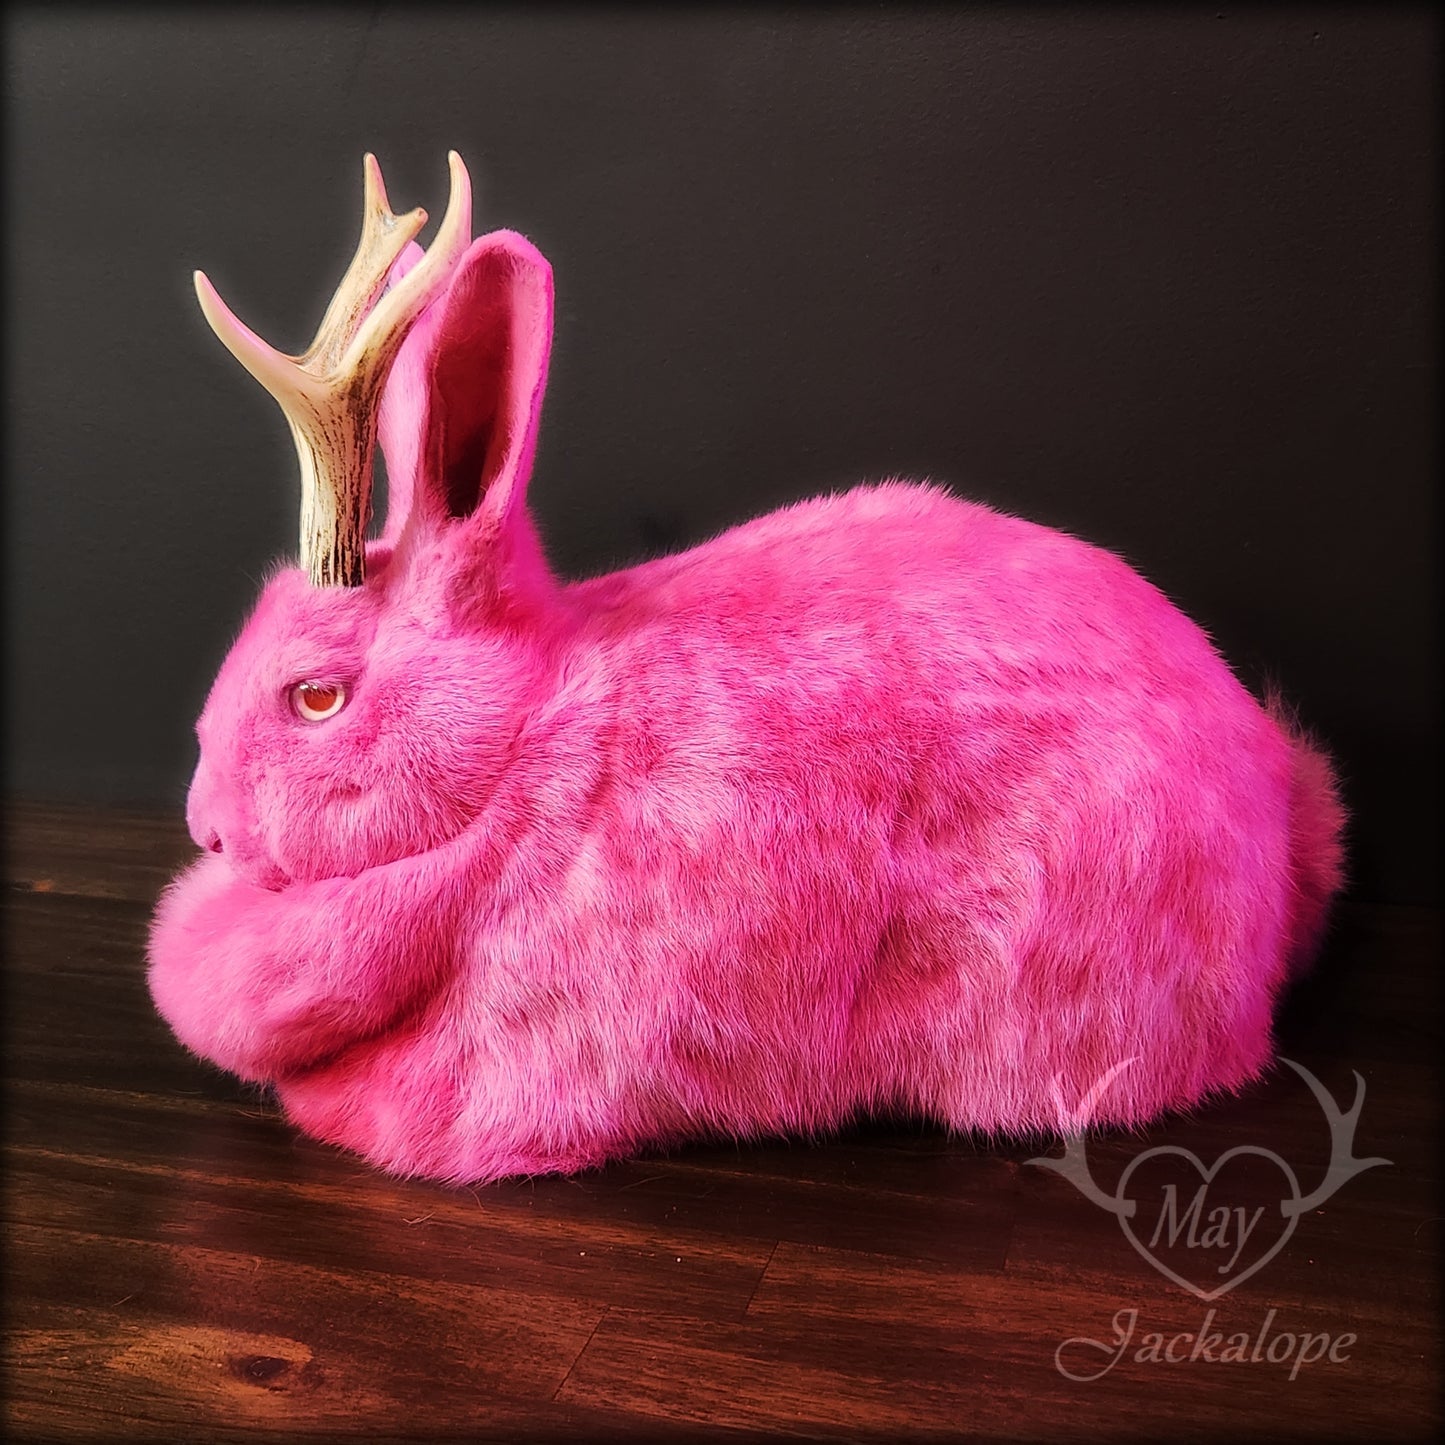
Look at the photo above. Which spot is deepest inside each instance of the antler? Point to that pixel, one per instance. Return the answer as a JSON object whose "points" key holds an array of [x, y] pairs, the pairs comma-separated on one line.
{"points": [[1343, 1164], [331, 392]]}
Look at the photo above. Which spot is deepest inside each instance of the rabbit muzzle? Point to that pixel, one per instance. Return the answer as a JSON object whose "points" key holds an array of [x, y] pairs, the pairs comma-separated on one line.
{"points": [[220, 827]]}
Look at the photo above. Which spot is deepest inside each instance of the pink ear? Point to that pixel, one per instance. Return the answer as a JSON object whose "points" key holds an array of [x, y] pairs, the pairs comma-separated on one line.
{"points": [[487, 372], [403, 405]]}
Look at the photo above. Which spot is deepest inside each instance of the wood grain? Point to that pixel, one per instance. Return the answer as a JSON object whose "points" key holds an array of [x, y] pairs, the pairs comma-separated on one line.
{"points": [[181, 1263]]}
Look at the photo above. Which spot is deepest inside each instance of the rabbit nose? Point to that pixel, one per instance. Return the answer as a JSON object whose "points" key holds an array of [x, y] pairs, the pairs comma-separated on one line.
{"points": [[202, 814], [205, 836], [203, 833]]}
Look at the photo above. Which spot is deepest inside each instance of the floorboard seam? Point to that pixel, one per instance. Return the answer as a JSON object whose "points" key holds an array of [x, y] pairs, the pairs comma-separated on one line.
{"points": [[767, 1265], [586, 1345]]}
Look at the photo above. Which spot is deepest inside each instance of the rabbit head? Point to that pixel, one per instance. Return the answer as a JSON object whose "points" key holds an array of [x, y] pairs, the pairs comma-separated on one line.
{"points": [[372, 696]]}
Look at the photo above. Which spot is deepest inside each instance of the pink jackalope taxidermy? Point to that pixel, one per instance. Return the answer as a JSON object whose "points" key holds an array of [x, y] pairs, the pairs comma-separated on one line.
{"points": [[883, 802]]}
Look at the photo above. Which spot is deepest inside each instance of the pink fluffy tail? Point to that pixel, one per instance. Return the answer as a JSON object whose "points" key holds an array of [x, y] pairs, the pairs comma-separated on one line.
{"points": [[1317, 854]]}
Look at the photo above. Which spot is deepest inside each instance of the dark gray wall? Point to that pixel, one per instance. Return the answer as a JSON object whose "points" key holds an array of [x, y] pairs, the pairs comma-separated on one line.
{"points": [[1163, 277]]}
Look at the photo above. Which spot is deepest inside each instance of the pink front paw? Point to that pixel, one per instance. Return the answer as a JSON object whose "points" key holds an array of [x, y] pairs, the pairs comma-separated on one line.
{"points": [[223, 974]]}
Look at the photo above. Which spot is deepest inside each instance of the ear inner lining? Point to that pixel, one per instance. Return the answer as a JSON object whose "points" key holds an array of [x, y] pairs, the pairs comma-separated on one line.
{"points": [[475, 406], [485, 369], [471, 383]]}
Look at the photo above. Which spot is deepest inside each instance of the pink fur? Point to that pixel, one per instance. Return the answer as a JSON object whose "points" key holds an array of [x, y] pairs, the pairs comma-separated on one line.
{"points": [[883, 801]]}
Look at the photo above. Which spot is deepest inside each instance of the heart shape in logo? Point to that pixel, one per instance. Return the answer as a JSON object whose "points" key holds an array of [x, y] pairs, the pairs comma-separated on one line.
{"points": [[1194, 1213]]}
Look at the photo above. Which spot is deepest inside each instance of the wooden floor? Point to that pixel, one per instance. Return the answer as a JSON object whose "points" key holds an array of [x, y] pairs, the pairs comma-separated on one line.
{"points": [[181, 1264]]}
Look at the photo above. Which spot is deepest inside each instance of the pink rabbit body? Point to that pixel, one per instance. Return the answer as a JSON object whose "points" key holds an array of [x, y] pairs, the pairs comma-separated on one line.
{"points": [[885, 801]]}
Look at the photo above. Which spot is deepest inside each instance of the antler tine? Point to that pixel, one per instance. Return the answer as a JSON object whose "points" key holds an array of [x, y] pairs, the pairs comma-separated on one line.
{"points": [[330, 393], [384, 237], [420, 286]]}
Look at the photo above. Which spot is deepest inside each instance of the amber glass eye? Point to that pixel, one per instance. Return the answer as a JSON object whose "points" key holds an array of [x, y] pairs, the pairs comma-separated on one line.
{"points": [[317, 701]]}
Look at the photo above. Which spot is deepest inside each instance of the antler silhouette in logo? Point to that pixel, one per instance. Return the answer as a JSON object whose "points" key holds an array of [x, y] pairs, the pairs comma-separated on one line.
{"points": [[1343, 1165], [1073, 1163]]}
